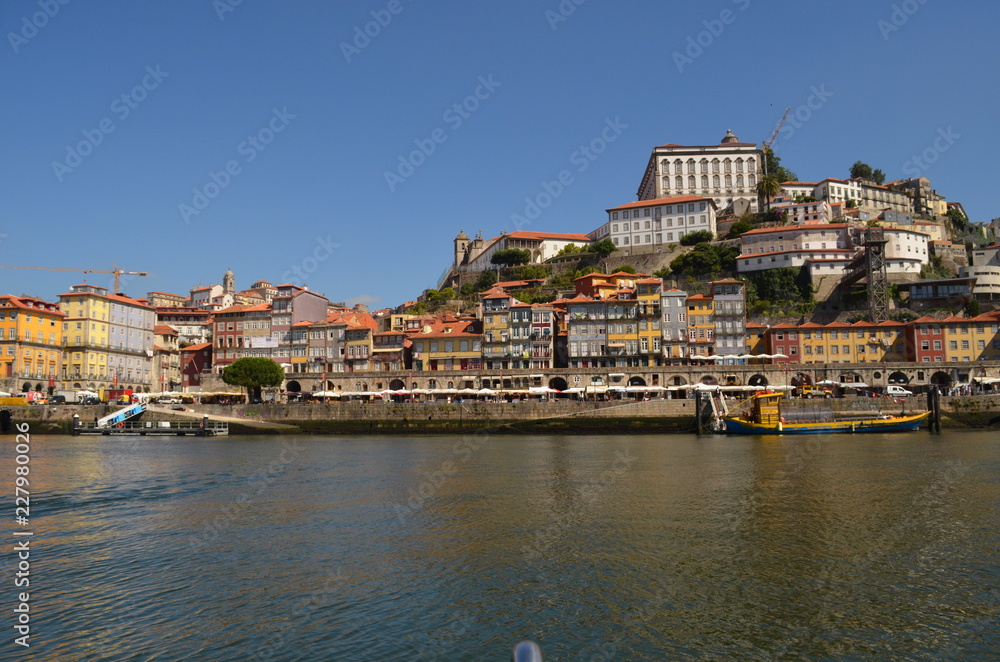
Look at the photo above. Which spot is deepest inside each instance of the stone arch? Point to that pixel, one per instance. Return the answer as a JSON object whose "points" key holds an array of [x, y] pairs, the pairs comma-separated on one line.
{"points": [[679, 380], [77, 385], [558, 383], [396, 385], [757, 380], [897, 377], [293, 387], [451, 384], [636, 381], [941, 378], [709, 380], [802, 379], [507, 384], [25, 387], [732, 380]]}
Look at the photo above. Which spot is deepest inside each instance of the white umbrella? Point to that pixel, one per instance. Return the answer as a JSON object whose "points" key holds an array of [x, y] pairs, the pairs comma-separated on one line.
{"points": [[486, 391], [574, 390], [779, 356], [467, 391], [541, 390], [326, 394], [4, 394]]}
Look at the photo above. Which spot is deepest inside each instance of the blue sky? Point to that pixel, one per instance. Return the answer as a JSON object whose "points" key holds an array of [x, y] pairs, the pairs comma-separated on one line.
{"points": [[183, 138]]}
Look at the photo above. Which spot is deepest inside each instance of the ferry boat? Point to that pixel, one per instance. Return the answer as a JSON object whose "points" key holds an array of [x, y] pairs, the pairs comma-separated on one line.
{"points": [[766, 416]]}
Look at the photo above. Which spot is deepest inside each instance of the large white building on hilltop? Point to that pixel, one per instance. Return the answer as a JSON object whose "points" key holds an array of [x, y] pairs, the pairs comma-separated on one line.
{"points": [[727, 173]]}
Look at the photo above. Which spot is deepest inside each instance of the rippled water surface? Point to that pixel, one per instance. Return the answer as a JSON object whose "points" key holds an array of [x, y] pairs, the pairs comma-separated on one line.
{"points": [[454, 548]]}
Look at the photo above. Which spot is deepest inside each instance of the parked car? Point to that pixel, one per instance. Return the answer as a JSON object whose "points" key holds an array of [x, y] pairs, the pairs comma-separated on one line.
{"points": [[897, 391], [179, 407], [90, 400], [57, 399], [816, 392]]}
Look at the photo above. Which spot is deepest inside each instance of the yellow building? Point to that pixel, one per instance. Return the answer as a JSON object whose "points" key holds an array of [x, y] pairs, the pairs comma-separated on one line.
{"points": [[448, 345], [85, 356], [701, 325], [31, 336], [647, 291]]}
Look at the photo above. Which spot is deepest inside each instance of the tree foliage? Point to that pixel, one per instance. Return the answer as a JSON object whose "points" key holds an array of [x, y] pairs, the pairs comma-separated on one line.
{"points": [[705, 260], [603, 248], [772, 166], [571, 249], [738, 228], [253, 373], [626, 268], [768, 187], [878, 176], [510, 257], [485, 280], [861, 170], [693, 238]]}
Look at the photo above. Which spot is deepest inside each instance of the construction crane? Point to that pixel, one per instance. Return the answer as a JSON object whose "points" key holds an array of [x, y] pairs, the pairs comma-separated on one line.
{"points": [[116, 271], [766, 145]]}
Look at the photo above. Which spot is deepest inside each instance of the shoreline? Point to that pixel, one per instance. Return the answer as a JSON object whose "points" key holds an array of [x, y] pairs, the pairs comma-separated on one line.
{"points": [[658, 416]]}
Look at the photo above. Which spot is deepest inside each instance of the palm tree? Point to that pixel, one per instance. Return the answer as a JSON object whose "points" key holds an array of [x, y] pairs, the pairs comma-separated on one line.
{"points": [[767, 188]]}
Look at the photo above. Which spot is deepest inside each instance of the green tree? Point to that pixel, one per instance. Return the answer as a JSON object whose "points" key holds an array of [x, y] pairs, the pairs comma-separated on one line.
{"points": [[768, 187], [602, 248], [486, 280], [772, 166], [626, 268], [510, 257], [851, 203], [570, 249], [693, 238], [253, 373], [878, 177], [861, 170], [738, 228]]}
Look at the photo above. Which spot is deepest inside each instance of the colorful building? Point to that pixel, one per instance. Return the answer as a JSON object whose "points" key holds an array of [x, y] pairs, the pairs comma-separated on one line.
{"points": [[31, 343]]}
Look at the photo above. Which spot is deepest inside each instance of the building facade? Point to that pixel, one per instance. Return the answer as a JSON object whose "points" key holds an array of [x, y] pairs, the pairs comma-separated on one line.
{"points": [[31, 343]]}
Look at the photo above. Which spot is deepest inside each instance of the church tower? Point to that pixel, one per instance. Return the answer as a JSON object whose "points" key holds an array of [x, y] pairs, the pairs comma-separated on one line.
{"points": [[229, 282]]}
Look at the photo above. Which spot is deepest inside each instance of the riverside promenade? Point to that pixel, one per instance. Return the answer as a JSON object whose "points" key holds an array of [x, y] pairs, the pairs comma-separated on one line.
{"points": [[527, 417]]}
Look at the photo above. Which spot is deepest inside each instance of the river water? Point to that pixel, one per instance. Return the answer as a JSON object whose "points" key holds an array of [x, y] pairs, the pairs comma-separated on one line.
{"points": [[454, 548]]}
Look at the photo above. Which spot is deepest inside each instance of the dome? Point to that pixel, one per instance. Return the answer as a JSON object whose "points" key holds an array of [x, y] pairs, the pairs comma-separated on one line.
{"points": [[729, 137], [462, 236]]}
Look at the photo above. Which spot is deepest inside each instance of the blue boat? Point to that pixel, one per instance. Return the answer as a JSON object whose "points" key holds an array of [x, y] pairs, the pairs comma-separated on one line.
{"points": [[765, 417]]}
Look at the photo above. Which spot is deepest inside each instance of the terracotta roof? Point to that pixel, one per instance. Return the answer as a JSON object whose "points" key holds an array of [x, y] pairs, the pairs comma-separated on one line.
{"points": [[659, 201], [165, 330], [800, 250], [196, 348], [792, 228], [570, 236], [28, 303]]}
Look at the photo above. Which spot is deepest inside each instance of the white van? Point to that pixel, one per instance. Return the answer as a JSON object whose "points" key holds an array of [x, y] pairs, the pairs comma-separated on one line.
{"points": [[897, 391]]}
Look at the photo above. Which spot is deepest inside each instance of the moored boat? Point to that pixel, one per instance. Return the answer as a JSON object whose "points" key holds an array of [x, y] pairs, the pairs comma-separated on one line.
{"points": [[765, 416]]}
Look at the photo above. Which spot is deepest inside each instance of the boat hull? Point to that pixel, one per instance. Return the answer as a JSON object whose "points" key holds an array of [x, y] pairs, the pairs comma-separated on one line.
{"points": [[897, 424]]}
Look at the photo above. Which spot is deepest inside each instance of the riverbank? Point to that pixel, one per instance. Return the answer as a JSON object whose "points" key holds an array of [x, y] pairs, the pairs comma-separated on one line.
{"points": [[531, 417]]}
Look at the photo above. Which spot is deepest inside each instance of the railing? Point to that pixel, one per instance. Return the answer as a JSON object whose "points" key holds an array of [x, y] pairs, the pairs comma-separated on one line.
{"points": [[145, 426]]}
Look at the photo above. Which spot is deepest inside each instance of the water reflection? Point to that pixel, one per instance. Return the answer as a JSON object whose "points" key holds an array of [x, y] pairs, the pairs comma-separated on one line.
{"points": [[631, 548]]}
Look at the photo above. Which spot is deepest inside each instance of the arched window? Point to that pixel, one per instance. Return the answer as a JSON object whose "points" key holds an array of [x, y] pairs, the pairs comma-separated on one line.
{"points": [[704, 181], [715, 181], [666, 183], [691, 181], [677, 166], [751, 165], [704, 165], [739, 165], [679, 181], [752, 180], [729, 180], [715, 165], [739, 181], [728, 165]]}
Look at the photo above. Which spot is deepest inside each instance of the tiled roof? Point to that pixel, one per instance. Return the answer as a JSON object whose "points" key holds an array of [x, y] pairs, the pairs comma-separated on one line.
{"points": [[659, 201]]}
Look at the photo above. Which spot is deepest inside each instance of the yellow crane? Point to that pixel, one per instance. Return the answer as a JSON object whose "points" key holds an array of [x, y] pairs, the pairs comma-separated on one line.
{"points": [[116, 271]]}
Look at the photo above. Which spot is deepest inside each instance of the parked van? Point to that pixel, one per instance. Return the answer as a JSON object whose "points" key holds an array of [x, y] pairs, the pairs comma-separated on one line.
{"points": [[897, 391]]}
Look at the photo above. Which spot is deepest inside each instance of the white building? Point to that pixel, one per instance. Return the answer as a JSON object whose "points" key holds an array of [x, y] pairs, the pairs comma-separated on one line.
{"points": [[647, 225], [906, 250], [793, 246], [727, 172], [986, 270], [540, 245], [804, 212]]}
